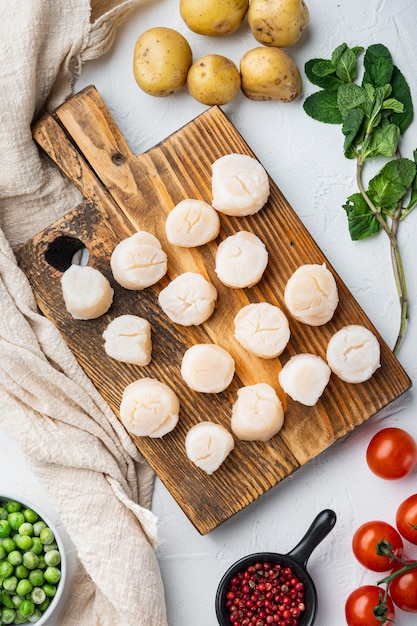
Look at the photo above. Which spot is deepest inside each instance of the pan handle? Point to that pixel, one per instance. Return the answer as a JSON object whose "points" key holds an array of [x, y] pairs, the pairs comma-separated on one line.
{"points": [[319, 529]]}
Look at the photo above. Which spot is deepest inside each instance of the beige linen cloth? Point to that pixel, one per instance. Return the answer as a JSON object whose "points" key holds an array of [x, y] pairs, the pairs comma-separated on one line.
{"points": [[96, 479]]}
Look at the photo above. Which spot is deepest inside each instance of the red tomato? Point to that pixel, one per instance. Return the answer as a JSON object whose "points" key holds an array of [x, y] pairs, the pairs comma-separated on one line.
{"points": [[406, 519], [362, 603], [403, 589], [391, 453], [366, 539]]}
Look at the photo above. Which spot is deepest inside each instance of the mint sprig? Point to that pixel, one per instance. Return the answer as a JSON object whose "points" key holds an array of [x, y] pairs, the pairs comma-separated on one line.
{"points": [[374, 112]]}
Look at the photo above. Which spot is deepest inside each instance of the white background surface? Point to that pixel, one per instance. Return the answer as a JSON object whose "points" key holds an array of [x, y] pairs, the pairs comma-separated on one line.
{"points": [[305, 159]]}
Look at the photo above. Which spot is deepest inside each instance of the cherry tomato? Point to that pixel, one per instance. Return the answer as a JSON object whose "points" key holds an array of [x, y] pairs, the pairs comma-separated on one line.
{"points": [[361, 603], [403, 589], [406, 518], [365, 541], [391, 453]]}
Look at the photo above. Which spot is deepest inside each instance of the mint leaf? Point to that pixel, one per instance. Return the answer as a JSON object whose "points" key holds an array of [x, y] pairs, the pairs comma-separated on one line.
{"points": [[378, 65], [394, 105], [323, 68], [401, 92], [325, 81], [361, 221], [349, 97], [353, 130], [383, 141], [391, 184], [323, 107], [345, 62]]}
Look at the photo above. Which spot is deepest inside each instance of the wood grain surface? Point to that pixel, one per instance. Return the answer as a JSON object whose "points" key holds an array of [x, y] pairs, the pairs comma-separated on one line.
{"points": [[123, 193]]}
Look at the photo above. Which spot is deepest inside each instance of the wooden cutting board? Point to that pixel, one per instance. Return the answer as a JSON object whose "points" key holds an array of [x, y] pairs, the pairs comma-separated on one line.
{"points": [[125, 192]]}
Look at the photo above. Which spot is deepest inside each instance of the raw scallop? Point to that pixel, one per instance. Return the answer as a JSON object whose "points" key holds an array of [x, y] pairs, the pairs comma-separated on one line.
{"points": [[207, 445], [240, 185], [262, 329], [304, 378], [257, 414], [128, 339], [311, 294], [86, 291], [138, 261], [353, 353], [192, 223], [189, 299], [207, 368], [241, 260], [149, 408]]}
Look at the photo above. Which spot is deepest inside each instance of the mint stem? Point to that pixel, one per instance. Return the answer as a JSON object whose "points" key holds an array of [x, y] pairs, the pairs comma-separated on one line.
{"points": [[396, 259]]}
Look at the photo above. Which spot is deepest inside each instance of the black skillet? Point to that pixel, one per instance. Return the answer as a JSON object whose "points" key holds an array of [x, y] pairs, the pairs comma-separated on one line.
{"points": [[296, 560]]}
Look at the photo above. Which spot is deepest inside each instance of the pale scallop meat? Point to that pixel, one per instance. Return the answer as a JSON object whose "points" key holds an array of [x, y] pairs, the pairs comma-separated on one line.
{"points": [[304, 378], [240, 185], [241, 260], [311, 294], [192, 223], [353, 353], [149, 408], [127, 338], [262, 329], [207, 368], [257, 414], [138, 261], [207, 445], [189, 299], [86, 291]]}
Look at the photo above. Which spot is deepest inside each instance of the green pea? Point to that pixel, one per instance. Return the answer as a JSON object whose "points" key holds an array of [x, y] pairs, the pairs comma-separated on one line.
{"points": [[47, 536], [16, 519], [24, 587], [24, 542], [17, 600], [37, 545], [52, 574], [3, 552], [3, 512], [15, 557], [50, 590], [6, 599], [13, 505], [30, 515], [53, 558], [26, 608], [38, 595], [36, 577], [8, 544], [38, 527], [6, 569], [7, 616], [9, 584], [5, 528], [30, 560], [35, 616], [26, 529], [21, 571], [50, 546]]}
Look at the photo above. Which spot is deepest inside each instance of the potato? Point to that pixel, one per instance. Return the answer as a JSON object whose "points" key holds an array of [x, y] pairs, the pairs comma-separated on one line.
{"points": [[215, 18], [213, 79], [269, 74], [162, 58], [278, 23]]}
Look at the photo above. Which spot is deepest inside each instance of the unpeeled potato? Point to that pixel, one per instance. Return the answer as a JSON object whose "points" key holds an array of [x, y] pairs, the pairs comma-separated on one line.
{"points": [[278, 22], [162, 58], [269, 74], [215, 18], [213, 80]]}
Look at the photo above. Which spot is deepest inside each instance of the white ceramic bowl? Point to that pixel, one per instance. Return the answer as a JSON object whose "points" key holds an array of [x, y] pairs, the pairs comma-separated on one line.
{"points": [[63, 565]]}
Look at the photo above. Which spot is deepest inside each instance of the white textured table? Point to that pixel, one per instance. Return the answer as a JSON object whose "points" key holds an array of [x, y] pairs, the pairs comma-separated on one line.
{"points": [[305, 159]]}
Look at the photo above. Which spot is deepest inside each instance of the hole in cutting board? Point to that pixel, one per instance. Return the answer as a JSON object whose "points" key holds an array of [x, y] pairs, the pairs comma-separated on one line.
{"points": [[65, 251]]}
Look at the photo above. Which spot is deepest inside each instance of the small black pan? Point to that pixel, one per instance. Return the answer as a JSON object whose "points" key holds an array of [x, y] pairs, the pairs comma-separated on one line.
{"points": [[296, 559]]}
